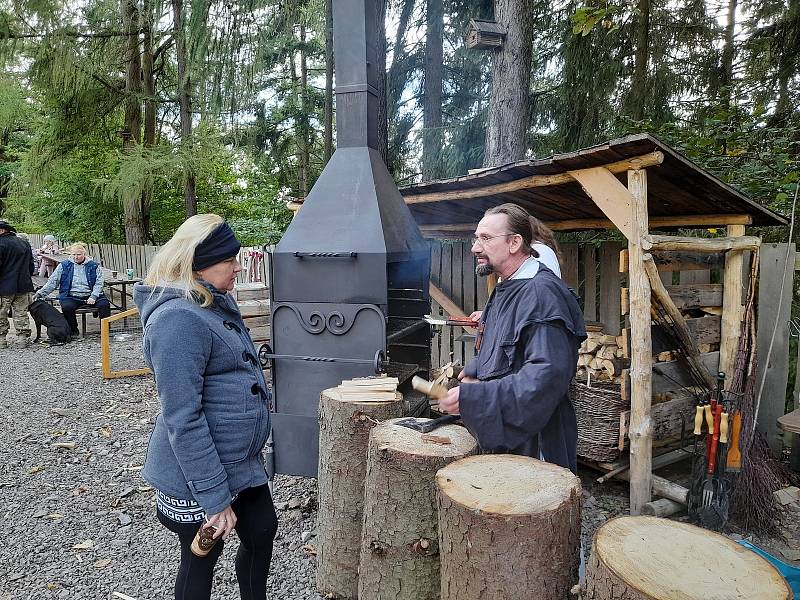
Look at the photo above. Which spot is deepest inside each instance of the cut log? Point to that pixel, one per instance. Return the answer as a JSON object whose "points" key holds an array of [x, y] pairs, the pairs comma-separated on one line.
{"points": [[663, 507], [343, 437], [400, 540], [509, 527], [647, 558]]}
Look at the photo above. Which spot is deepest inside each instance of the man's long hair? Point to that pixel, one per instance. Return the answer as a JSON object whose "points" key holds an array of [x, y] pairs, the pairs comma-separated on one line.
{"points": [[531, 229]]}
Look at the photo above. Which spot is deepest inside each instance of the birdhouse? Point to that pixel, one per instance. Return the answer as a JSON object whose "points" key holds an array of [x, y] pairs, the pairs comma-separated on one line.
{"points": [[485, 35]]}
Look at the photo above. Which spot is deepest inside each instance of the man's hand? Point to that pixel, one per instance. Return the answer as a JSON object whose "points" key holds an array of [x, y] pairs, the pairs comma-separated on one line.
{"points": [[91, 300], [476, 316], [464, 378], [449, 403]]}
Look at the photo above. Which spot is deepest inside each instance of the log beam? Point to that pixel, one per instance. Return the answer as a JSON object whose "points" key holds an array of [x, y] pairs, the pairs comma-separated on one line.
{"points": [[732, 307], [450, 307], [641, 428], [534, 181], [686, 221], [609, 195], [694, 244], [660, 293]]}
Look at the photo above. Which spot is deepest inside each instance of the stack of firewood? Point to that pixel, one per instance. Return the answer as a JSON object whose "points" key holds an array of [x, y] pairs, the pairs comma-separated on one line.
{"points": [[601, 355]]}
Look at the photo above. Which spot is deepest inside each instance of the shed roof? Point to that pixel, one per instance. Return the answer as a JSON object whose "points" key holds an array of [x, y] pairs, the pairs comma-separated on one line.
{"points": [[676, 187]]}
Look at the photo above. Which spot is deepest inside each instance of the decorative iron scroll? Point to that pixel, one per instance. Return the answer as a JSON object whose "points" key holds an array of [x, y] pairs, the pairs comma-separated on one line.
{"points": [[335, 321]]}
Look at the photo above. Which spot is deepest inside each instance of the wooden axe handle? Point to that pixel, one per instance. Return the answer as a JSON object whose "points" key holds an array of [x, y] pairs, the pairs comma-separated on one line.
{"points": [[434, 390]]}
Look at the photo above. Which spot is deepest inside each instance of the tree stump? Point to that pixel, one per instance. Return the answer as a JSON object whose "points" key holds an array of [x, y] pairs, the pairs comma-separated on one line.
{"points": [[400, 546], [343, 437], [647, 558], [509, 527]]}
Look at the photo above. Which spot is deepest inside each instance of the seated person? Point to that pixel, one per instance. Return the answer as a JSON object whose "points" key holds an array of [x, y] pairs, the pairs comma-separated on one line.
{"points": [[47, 265], [80, 283]]}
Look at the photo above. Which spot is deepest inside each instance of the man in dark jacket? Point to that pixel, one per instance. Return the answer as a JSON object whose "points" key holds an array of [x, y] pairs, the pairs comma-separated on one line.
{"points": [[16, 268], [514, 395]]}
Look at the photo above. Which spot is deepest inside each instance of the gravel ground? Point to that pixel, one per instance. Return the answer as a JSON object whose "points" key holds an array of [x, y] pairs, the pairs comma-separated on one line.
{"points": [[79, 521]]}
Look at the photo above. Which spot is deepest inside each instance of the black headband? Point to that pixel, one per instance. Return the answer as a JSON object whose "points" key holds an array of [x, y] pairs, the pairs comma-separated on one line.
{"points": [[220, 245]]}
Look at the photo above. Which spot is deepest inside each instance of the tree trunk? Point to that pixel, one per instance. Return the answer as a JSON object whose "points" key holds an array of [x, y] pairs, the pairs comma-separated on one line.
{"points": [[509, 527], [343, 437], [302, 121], [432, 94], [185, 101], [638, 92], [728, 50], [400, 543], [644, 558], [329, 61], [507, 121], [135, 231], [150, 103]]}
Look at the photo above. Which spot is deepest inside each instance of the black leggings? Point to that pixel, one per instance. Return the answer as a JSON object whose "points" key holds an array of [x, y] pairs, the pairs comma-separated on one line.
{"points": [[256, 525]]}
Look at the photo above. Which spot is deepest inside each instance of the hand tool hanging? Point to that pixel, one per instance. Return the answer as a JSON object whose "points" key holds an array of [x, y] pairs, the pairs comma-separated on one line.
{"points": [[715, 506]]}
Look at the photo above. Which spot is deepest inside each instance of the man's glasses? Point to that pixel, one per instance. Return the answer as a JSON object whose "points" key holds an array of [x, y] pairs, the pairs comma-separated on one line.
{"points": [[481, 240]]}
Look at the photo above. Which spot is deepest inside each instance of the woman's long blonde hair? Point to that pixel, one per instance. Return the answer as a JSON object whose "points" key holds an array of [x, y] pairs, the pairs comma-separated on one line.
{"points": [[172, 264]]}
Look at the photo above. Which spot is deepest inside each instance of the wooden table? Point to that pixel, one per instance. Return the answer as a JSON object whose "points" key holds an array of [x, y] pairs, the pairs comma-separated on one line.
{"points": [[121, 285]]}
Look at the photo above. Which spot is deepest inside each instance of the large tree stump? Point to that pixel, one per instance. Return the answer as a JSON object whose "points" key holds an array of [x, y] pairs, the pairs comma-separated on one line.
{"points": [[647, 558], [400, 546], [343, 437], [509, 527]]}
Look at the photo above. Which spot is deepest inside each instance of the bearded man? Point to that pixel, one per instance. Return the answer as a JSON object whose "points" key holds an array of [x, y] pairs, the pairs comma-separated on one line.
{"points": [[514, 395]]}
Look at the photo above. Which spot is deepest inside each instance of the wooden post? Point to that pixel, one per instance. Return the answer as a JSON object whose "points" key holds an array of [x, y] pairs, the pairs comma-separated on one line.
{"points": [[732, 307], [400, 539], [641, 558], [509, 527], [343, 437], [641, 430]]}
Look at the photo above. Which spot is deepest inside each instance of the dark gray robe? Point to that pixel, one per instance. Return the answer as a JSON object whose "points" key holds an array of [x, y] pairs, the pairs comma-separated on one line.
{"points": [[527, 359]]}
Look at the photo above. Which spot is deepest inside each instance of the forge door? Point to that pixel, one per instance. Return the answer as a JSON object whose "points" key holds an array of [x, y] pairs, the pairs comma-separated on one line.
{"points": [[314, 338]]}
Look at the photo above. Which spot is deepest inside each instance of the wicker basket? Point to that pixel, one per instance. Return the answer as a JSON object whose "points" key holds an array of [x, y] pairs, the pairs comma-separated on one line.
{"points": [[598, 407]]}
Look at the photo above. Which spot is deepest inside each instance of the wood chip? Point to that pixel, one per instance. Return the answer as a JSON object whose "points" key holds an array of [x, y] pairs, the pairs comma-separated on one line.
{"points": [[436, 439], [122, 596]]}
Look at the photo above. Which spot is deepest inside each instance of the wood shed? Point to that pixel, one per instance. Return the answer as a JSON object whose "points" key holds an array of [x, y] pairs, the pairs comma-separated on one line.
{"points": [[636, 185]]}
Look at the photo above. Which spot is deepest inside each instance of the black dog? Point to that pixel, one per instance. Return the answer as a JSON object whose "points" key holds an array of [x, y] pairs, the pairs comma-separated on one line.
{"points": [[45, 314]]}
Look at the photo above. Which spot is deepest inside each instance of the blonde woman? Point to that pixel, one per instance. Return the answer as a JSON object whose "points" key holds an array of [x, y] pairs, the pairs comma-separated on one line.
{"points": [[204, 457], [80, 283]]}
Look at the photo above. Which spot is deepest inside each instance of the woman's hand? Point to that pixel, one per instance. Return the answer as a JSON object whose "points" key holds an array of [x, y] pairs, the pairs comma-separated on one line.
{"points": [[224, 521]]}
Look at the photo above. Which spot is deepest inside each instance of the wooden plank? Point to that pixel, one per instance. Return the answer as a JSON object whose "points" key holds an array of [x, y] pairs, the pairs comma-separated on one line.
{"points": [[610, 284], [671, 376], [569, 265], [450, 307], [653, 158], [690, 277], [589, 256], [734, 241], [436, 339], [470, 296], [640, 430], [457, 292], [610, 196], [681, 261], [790, 421], [704, 330], [773, 395], [695, 295]]}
